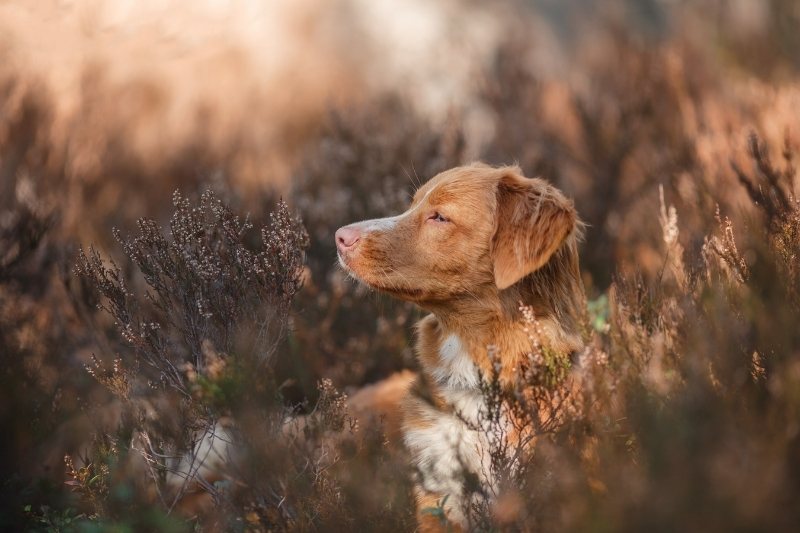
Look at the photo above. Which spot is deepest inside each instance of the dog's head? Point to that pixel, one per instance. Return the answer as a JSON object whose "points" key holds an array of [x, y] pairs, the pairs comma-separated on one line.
{"points": [[468, 230]]}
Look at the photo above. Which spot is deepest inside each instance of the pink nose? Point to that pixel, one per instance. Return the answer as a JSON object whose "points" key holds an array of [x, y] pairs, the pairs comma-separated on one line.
{"points": [[347, 237]]}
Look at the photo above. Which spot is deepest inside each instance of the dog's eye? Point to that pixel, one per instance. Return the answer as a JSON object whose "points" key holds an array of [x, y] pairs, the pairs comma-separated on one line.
{"points": [[438, 217]]}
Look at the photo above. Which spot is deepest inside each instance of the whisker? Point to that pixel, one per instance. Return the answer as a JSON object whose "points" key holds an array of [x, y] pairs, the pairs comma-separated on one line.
{"points": [[414, 185], [419, 181]]}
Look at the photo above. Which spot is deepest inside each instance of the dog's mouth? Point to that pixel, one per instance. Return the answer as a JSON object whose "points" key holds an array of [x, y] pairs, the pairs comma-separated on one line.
{"points": [[404, 293], [344, 266]]}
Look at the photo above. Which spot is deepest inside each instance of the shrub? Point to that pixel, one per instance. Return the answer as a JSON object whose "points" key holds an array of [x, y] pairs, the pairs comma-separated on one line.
{"points": [[211, 314], [680, 414]]}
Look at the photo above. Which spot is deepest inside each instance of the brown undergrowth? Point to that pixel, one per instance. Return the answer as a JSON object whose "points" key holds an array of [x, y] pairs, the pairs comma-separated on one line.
{"points": [[173, 403]]}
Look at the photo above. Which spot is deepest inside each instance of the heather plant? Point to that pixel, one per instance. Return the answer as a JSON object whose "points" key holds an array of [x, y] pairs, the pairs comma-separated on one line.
{"points": [[204, 283], [212, 310], [206, 392], [38, 333], [518, 417]]}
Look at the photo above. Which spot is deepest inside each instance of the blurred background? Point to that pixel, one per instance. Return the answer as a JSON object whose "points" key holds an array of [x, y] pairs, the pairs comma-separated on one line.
{"points": [[341, 108]]}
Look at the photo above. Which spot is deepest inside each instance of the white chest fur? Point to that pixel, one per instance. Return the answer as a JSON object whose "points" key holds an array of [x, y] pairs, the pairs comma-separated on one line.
{"points": [[449, 445], [455, 368]]}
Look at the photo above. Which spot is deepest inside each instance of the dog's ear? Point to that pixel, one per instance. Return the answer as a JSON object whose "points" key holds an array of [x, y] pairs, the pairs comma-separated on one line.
{"points": [[532, 220]]}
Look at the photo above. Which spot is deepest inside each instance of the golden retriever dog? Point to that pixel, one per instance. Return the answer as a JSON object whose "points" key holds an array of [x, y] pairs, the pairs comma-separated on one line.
{"points": [[475, 242]]}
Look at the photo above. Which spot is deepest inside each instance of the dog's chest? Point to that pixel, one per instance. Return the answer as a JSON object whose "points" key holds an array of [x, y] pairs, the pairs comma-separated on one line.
{"points": [[449, 443]]}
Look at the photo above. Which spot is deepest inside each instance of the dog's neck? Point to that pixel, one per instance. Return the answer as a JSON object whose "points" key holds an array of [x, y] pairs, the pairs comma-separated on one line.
{"points": [[493, 324], [485, 318]]}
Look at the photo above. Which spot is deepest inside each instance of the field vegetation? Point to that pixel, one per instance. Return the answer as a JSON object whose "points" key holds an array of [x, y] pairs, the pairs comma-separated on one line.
{"points": [[169, 285]]}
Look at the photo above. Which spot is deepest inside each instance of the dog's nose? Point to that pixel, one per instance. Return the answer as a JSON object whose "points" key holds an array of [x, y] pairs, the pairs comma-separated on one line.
{"points": [[347, 237]]}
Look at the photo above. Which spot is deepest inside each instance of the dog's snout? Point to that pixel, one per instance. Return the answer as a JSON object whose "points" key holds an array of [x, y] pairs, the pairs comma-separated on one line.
{"points": [[347, 237]]}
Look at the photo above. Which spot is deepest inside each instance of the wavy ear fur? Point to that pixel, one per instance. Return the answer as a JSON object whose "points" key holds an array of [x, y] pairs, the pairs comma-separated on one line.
{"points": [[532, 220]]}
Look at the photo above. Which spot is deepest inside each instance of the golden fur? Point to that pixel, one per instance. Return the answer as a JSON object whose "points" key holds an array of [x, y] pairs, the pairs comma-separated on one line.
{"points": [[475, 242]]}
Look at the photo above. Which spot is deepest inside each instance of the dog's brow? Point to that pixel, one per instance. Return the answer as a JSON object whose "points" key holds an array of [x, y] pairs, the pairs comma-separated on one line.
{"points": [[416, 200]]}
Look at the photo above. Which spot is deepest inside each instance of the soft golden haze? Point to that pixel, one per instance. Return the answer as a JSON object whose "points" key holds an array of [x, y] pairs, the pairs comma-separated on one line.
{"points": [[183, 350]]}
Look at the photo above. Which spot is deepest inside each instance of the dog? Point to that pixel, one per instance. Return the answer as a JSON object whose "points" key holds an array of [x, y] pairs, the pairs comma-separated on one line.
{"points": [[475, 242]]}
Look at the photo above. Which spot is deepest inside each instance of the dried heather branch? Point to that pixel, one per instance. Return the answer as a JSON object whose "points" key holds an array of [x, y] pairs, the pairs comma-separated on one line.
{"points": [[767, 187], [723, 247], [203, 284], [213, 310]]}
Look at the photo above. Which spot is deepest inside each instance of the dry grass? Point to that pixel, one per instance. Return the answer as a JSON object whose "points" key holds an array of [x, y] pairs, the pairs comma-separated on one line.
{"points": [[680, 154]]}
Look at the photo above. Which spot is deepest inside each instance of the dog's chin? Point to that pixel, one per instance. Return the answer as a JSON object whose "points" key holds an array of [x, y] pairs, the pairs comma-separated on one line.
{"points": [[344, 265], [403, 293], [350, 271]]}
